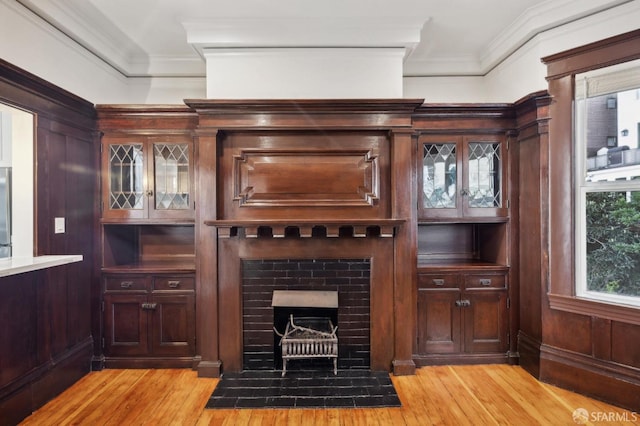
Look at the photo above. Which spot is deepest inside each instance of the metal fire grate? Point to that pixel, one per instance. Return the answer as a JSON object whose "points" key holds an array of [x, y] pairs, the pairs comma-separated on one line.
{"points": [[309, 337]]}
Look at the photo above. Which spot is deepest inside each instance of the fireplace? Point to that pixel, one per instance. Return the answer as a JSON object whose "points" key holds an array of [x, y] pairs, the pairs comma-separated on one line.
{"points": [[366, 298], [311, 181], [349, 279], [309, 332]]}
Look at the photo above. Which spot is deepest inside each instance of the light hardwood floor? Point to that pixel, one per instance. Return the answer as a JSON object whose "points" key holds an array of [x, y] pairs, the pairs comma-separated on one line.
{"points": [[447, 395]]}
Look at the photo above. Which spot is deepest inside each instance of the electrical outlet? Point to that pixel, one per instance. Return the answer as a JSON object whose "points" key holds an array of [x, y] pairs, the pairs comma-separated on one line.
{"points": [[58, 225]]}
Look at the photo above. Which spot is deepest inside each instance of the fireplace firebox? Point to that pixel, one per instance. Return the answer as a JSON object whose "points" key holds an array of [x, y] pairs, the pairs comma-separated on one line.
{"points": [[273, 290]]}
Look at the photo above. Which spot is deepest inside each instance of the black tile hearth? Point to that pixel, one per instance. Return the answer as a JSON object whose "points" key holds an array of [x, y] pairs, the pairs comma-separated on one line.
{"points": [[304, 389]]}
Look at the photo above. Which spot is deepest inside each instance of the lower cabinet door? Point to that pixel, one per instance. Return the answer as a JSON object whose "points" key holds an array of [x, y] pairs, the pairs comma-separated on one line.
{"points": [[173, 325], [485, 321], [438, 321], [125, 325]]}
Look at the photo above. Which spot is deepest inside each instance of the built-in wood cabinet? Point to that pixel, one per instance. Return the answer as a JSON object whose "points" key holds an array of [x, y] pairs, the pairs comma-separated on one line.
{"points": [[463, 285], [147, 177], [147, 236], [462, 313], [149, 316], [462, 176]]}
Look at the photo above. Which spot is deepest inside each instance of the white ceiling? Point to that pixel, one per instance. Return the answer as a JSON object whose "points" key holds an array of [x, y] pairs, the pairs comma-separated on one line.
{"points": [[441, 37]]}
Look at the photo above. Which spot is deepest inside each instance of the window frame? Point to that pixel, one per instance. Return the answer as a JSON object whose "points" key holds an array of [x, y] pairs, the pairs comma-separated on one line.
{"points": [[583, 187], [559, 232]]}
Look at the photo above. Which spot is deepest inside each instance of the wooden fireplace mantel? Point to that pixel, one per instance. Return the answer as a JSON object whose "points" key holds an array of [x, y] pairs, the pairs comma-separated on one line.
{"points": [[359, 227], [312, 179]]}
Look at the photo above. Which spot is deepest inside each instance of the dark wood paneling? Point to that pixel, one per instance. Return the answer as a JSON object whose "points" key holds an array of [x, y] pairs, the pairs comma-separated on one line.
{"points": [[584, 342], [50, 316], [621, 350], [331, 175], [530, 237], [403, 198], [624, 47], [18, 326], [615, 384], [293, 178], [317, 114], [601, 338]]}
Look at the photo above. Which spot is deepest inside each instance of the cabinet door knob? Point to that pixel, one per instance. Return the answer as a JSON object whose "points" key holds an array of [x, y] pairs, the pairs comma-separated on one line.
{"points": [[149, 306], [438, 281], [485, 282], [463, 303], [149, 192], [174, 284], [126, 284]]}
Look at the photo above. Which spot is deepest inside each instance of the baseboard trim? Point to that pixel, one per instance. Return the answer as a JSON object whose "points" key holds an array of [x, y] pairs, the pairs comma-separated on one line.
{"points": [[423, 360], [404, 367], [21, 397], [529, 351], [613, 383], [148, 362], [211, 369]]}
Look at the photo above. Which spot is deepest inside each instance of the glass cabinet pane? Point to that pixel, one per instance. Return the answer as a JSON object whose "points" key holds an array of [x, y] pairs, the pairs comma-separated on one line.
{"points": [[126, 176], [171, 176], [484, 168], [439, 175]]}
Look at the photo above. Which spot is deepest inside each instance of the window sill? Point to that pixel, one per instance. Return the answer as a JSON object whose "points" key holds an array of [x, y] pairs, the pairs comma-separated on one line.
{"points": [[593, 308], [19, 265]]}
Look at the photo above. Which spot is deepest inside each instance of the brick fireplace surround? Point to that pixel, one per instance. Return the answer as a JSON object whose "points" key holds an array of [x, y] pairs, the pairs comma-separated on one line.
{"points": [[348, 277], [305, 180]]}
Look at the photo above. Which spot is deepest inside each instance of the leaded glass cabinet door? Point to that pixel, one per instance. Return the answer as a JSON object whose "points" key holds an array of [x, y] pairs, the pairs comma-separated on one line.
{"points": [[440, 177], [172, 176], [484, 190], [147, 178], [124, 179]]}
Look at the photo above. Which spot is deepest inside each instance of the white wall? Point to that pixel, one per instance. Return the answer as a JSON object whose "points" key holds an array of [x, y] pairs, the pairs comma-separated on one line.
{"points": [[27, 43], [523, 72], [22, 143], [304, 73]]}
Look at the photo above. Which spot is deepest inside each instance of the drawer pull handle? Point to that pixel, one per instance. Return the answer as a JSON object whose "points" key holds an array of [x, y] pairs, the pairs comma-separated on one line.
{"points": [[149, 306], [485, 282], [438, 281], [126, 284], [174, 284]]}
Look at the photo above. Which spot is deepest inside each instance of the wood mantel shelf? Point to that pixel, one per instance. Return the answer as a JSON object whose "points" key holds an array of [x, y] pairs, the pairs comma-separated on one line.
{"points": [[307, 228]]}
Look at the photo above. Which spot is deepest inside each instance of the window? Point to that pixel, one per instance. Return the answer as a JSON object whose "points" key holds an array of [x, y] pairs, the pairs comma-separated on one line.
{"points": [[607, 182]]}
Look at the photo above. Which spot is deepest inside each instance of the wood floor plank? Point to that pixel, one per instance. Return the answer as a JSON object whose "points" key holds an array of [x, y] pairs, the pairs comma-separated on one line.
{"points": [[101, 408], [179, 396], [142, 398], [531, 398], [194, 403], [447, 395], [419, 410], [494, 399], [74, 399]]}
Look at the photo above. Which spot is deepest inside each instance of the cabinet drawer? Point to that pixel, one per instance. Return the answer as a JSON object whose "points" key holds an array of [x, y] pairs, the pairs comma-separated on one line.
{"points": [[485, 281], [437, 281], [125, 284], [173, 283]]}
